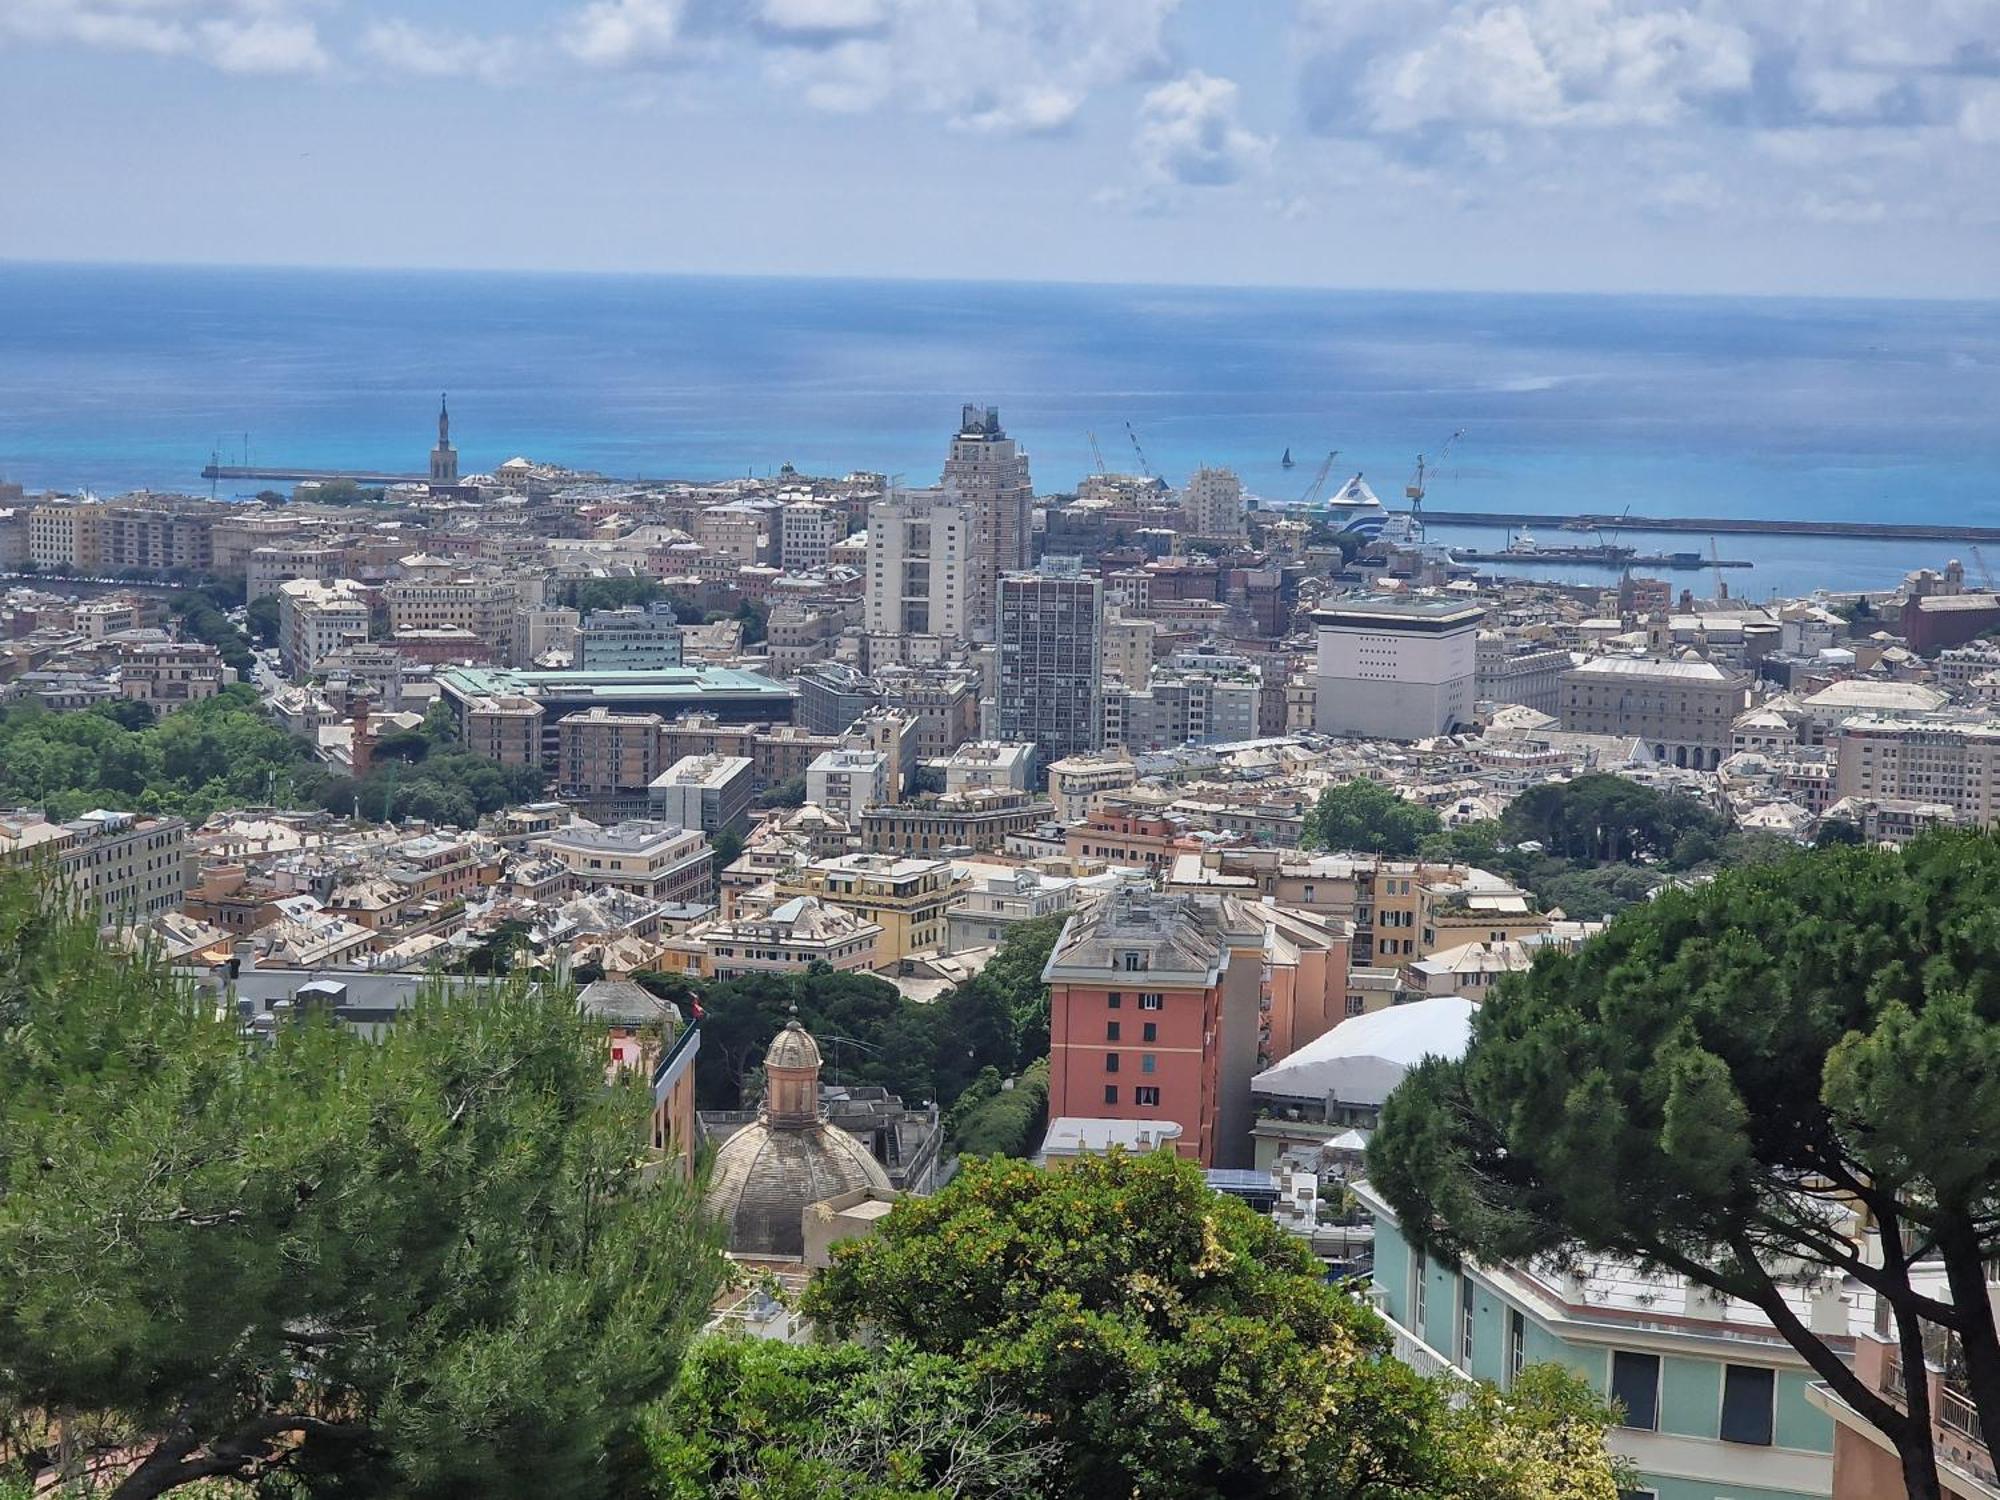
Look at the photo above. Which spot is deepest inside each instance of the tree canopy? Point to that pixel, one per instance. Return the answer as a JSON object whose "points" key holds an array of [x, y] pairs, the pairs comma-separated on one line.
{"points": [[1601, 817], [1368, 818], [423, 1266], [1178, 1344], [1791, 1072], [221, 752]]}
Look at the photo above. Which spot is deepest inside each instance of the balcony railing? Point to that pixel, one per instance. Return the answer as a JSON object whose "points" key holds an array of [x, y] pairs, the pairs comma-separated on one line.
{"points": [[1960, 1415]]}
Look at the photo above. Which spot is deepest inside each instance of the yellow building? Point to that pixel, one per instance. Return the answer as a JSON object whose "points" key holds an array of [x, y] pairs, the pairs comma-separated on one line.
{"points": [[906, 898]]}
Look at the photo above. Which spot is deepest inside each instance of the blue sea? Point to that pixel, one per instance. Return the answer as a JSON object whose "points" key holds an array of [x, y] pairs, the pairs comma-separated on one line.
{"points": [[118, 377]]}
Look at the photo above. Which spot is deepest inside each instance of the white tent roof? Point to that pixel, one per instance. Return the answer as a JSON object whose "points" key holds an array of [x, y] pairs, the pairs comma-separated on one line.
{"points": [[1362, 1060]]}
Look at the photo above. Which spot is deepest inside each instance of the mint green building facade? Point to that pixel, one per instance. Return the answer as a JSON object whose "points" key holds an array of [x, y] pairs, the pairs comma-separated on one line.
{"points": [[1716, 1401]]}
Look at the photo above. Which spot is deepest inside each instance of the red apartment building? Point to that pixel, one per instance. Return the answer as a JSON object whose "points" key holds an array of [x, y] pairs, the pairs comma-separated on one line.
{"points": [[1154, 1015]]}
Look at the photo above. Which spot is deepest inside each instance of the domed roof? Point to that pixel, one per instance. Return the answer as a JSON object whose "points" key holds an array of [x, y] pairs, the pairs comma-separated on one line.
{"points": [[792, 1047], [765, 1176]]}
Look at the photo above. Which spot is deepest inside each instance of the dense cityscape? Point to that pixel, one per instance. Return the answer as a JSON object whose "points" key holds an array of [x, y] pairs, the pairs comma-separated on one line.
{"points": [[895, 838]]}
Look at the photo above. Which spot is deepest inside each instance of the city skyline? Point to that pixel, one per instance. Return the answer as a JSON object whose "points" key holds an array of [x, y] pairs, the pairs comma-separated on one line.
{"points": [[1602, 146]]}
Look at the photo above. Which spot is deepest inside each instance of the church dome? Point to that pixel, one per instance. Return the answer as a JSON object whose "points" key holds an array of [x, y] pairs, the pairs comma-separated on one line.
{"points": [[793, 1047], [766, 1175]]}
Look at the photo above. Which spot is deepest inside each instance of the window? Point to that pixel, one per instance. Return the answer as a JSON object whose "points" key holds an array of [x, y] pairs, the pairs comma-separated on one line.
{"points": [[1150, 1002], [1420, 1274], [1110, 1093], [1111, 1062], [1356, 1004], [1517, 1343], [1146, 1096], [1635, 1385], [1149, 1031], [1464, 1322], [1110, 1031], [1113, 1000], [1747, 1396], [1145, 1062]]}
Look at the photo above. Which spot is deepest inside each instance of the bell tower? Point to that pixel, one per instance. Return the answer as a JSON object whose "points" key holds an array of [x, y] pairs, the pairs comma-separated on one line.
{"points": [[444, 457]]}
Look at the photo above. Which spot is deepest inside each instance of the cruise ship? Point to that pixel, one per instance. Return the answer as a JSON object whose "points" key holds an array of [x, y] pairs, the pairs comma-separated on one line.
{"points": [[1355, 508]]}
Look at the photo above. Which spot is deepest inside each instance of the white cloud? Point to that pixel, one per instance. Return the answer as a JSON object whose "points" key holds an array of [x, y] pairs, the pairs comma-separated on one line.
{"points": [[1189, 135], [628, 33], [235, 36], [441, 54]]}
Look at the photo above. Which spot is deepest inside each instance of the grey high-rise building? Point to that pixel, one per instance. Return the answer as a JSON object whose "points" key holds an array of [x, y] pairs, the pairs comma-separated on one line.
{"points": [[1048, 687], [987, 474]]}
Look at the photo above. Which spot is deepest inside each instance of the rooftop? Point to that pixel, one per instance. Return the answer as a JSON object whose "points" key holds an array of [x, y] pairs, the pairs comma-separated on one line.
{"points": [[694, 683]]}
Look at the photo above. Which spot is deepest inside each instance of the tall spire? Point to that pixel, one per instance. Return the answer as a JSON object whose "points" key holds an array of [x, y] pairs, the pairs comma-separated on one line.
{"points": [[444, 423]]}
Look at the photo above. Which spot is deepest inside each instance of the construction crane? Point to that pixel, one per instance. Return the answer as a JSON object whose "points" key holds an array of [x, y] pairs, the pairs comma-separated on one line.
{"points": [[1414, 490], [1097, 453], [1721, 583], [1144, 467], [1319, 477], [1985, 573]]}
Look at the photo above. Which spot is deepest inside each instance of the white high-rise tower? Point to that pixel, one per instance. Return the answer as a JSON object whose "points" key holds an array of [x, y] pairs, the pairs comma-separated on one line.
{"points": [[987, 473]]}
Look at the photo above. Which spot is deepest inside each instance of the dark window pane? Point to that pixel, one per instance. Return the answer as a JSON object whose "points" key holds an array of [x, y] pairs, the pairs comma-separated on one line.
{"points": [[1746, 1404], [1635, 1385], [1110, 1093]]}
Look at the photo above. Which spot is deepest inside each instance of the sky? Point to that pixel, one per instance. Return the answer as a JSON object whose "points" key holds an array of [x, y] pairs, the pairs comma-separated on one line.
{"points": [[1841, 147]]}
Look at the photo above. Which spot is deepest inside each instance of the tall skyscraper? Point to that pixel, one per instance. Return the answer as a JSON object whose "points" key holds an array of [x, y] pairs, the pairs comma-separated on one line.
{"points": [[987, 473], [1048, 689], [918, 549]]}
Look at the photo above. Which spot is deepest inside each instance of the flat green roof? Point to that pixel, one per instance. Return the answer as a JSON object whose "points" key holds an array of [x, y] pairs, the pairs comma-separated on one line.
{"points": [[663, 682]]}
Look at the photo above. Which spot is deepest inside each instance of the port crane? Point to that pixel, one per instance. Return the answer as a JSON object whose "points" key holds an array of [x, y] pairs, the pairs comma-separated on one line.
{"points": [[1985, 573], [1721, 583], [1319, 477], [1097, 453], [1414, 490], [1144, 467]]}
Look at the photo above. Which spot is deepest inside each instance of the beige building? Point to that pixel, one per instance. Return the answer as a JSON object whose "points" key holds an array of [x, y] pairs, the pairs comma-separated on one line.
{"points": [[484, 606], [1888, 758], [1684, 709], [317, 618], [1077, 783], [66, 535], [907, 898], [784, 937], [918, 579], [1213, 504], [658, 861], [987, 474], [121, 867], [170, 676]]}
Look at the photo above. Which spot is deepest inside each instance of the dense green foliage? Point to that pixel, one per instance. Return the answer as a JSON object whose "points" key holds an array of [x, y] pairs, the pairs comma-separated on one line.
{"points": [[991, 1119], [1366, 817], [619, 593], [202, 618], [791, 792], [1729, 1083], [751, 1417], [871, 1034], [1604, 818], [427, 1265], [443, 786], [261, 616], [1178, 1344], [220, 753]]}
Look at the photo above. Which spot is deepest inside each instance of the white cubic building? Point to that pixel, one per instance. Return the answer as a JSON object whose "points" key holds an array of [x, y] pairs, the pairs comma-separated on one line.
{"points": [[848, 782], [1395, 668]]}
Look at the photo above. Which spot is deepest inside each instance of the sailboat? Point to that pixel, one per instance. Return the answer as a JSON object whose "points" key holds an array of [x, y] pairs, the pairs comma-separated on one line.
{"points": [[1286, 461]]}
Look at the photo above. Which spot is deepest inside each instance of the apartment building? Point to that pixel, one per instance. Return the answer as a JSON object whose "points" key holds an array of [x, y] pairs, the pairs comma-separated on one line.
{"points": [[659, 861], [121, 867], [1395, 667], [848, 782], [1683, 709], [608, 761], [1887, 758], [1508, 669], [1184, 704], [906, 898], [918, 582], [269, 568], [806, 534], [169, 676], [66, 536], [987, 475], [1077, 783], [505, 728], [629, 640], [982, 817], [992, 908], [483, 606], [1153, 1015], [1715, 1402], [944, 700], [783, 937], [1049, 682], [981, 763], [709, 792], [317, 618], [1213, 504]]}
